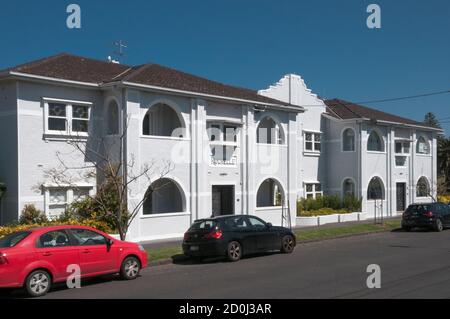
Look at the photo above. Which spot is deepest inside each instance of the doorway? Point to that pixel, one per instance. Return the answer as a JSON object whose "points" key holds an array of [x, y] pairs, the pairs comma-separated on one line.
{"points": [[222, 200], [401, 197]]}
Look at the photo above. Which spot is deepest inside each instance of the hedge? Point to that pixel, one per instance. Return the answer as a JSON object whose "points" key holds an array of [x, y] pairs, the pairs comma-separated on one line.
{"points": [[323, 212], [102, 226], [444, 198]]}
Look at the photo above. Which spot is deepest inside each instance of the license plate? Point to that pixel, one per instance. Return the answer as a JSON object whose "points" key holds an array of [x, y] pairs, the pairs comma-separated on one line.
{"points": [[194, 248]]}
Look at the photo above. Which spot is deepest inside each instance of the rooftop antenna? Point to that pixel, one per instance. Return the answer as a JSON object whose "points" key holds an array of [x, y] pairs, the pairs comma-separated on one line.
{"points": [[119, 52]]}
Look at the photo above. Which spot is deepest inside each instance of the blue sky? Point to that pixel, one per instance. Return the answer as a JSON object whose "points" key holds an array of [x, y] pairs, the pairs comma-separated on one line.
{"points": [[254, 43]]}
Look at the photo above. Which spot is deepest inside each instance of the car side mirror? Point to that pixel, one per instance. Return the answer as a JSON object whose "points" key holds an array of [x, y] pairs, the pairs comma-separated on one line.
{"points": [[109, 242], [269, 225]]}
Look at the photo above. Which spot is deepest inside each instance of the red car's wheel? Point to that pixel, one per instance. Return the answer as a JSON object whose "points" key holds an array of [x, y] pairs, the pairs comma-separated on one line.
{"points": [[38, 283], [130, 268]]}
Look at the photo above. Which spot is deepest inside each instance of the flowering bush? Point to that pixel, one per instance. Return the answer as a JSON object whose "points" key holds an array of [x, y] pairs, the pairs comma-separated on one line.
{"points": [[102, 226], [444, 198], [328, 205]]}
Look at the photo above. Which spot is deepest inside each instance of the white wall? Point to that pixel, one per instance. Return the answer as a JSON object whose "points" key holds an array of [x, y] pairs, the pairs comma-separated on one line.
{"points": [[38, 152]]}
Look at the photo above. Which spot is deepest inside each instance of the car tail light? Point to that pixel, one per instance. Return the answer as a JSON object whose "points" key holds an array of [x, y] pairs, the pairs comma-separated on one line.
{"points": [[3, 259], [216, 234], [186, 236], [429, 214]]}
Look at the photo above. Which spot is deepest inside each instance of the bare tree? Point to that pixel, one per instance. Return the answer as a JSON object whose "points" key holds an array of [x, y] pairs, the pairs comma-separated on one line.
{"points": [[105, 161]]}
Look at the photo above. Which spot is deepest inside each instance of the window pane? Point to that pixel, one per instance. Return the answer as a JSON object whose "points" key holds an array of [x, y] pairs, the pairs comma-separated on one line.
{"points": [[58, 196], [80, 126], [406, 147], [230, 134], [256, 223], [80, 111], [86, 237], [214, 132], [57, 238], [56, 124], [309, 188], [317, 137], [57, 109], [309, 146], [317, 147], [398, 147], [318, 187], [80, 194], [308, 136]]}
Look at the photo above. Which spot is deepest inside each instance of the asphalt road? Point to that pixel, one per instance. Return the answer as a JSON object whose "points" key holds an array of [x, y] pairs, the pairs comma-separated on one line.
{"points": [[413, 265]]}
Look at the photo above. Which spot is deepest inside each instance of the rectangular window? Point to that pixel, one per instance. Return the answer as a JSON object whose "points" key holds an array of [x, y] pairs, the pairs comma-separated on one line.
{"points": [[57, 202], [313, 142], [64, 118], [402, 147], [223, 143], [60, 197], [313, 190]]}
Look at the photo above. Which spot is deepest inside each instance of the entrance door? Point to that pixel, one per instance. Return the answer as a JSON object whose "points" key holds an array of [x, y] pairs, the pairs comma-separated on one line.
{"points": [[401, 197], [222, 200]]}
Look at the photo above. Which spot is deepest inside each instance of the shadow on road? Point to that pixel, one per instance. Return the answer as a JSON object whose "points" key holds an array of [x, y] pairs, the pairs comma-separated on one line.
{"points": [[20, 293], [414, 230], [181, 259]]}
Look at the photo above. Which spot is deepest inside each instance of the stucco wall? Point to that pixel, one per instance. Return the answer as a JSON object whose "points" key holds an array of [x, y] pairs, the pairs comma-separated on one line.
{"points": [[37, 152]]}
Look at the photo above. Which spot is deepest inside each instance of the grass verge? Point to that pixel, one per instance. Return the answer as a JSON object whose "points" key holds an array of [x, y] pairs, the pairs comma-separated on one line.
{"points": [[303, 235], [327, 233]]}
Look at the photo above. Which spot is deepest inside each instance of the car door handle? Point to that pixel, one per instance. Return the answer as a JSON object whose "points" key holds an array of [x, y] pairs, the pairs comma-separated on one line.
{"points": [[86, 251], [47, 253]]}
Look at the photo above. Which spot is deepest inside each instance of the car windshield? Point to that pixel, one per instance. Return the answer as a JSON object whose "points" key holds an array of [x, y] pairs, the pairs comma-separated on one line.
{"points": [[419, 209], [203, 225], [13, 239]]}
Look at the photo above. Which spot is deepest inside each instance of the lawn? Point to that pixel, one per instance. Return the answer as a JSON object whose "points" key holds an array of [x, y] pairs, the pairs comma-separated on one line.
{"points": [[303, 235]]}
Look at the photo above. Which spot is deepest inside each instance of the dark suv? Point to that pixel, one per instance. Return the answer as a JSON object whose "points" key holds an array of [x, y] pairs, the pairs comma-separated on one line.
{"points": [[435, 216]]}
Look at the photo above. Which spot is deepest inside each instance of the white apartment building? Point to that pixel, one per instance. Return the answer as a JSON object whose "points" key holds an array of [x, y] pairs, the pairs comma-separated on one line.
{"points": [[231, 150]]}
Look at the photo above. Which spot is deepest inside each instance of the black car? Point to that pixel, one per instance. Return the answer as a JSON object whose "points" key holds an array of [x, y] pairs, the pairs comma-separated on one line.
{"points": [[235, 235], [435, 216]]}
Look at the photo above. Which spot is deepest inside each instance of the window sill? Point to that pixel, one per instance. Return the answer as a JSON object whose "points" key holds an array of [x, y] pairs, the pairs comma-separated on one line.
{"points": [[64, 137], [268, 208], [311, 153], [171, 138], [165, 215], [423, 155], [272, 145], [376, 152]]}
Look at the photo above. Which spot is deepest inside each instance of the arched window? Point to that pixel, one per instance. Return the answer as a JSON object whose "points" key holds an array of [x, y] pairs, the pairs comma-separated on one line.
{"points": [[162, 120], [269, 194], [422, 146], [163, 196], [112, 119], [375, 142], [348, 187], [348, 140], [423, 187], [269, 132], [375, 190]]}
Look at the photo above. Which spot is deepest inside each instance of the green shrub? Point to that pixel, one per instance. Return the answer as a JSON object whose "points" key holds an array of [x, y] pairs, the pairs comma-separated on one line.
{"points": [[327, 205], [352, 203], [332, 201], [322, 212], [31, 215], [102, 226]]}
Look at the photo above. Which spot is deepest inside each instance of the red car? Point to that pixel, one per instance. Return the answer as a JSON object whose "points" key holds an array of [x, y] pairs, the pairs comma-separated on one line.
{"points": [[36, 258]]}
